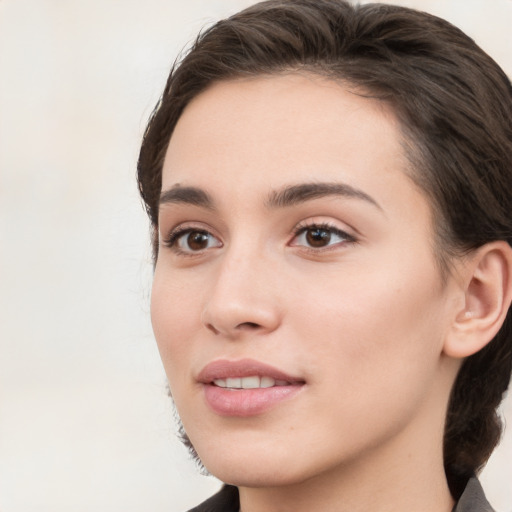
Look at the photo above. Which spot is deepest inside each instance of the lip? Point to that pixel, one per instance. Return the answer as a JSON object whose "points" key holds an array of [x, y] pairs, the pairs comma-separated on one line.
{"points": [[223, 368], [245, 402]]}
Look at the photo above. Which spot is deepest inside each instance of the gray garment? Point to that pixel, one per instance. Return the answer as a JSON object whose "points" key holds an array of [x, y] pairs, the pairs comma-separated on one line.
{"points": [[473, 499], [226, 500]]}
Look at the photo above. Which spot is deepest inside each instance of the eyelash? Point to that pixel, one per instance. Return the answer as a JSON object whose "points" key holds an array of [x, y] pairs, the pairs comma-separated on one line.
{"points": [[323, 226], [174, 236]]}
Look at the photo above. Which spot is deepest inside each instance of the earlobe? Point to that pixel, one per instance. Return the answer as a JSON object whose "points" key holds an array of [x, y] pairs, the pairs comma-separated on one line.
{"points": [[487, 298]]}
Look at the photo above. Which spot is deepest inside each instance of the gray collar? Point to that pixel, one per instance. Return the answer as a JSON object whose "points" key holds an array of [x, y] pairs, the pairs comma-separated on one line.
{"points": [[473, 498]]}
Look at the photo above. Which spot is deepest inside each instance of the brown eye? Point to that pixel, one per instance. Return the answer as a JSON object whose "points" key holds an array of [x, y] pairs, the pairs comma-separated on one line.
{"points": [[321, 236], [318, 237], [192, 240], [197, 240]]}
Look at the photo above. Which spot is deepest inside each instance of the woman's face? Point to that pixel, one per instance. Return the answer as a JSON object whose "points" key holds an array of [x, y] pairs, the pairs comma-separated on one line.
{"points": [[297, 305]]}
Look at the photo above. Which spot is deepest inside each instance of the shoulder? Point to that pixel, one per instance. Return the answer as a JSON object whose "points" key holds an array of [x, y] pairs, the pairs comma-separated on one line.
{"points": [[226, 500], [473, 498]]}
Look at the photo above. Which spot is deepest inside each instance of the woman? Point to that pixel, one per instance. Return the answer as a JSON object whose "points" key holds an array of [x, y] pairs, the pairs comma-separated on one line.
{"points": [[330, 191]]}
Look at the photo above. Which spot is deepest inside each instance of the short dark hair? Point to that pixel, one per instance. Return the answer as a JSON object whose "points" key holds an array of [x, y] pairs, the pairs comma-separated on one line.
{"points": [[454, 104]]}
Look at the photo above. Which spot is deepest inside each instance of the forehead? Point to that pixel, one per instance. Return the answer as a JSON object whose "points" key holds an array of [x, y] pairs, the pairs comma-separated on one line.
{"points": [[253, 134]]}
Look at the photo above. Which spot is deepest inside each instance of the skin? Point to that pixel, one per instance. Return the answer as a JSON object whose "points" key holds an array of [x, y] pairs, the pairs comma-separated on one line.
{"points": [[362, 321]]}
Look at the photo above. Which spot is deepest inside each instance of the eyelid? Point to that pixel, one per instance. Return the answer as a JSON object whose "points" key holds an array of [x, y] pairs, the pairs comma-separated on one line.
{"points": [[182, 229], [300, 228]]}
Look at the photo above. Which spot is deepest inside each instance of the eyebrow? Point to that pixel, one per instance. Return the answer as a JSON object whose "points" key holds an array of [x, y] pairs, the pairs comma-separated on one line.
{"points": [[285, 197], [186, 195], [295, 194]]}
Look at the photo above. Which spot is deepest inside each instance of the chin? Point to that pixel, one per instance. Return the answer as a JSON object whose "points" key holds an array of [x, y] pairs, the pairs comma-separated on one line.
{"points": [[255, 463], [249, 462], [255, 474]]}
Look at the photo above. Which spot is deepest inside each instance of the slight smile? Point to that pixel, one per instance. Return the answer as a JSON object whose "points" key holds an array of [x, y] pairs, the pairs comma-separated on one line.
{"points": [[246, 387]]}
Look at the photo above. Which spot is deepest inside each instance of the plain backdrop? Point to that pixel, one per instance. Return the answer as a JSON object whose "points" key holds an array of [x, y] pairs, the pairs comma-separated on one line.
{"points": [[85, 421]]}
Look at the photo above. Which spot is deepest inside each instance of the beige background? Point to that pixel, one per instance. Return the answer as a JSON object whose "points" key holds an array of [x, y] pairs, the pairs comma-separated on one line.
{"points": [[85, 423]]}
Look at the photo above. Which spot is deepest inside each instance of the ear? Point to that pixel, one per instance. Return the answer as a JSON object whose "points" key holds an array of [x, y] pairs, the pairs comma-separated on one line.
{"points": [[487, 282]]}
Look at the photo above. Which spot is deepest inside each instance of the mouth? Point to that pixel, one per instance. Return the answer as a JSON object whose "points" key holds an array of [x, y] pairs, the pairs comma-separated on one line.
{"points": [[246, 387], [251, 382]]}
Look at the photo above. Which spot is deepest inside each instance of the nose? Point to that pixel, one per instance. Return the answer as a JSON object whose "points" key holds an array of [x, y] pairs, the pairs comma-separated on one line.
{"points": [[243, 296]]}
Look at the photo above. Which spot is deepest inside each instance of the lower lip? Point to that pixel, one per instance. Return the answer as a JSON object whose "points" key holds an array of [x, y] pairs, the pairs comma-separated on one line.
{"points": [[247, 402]]}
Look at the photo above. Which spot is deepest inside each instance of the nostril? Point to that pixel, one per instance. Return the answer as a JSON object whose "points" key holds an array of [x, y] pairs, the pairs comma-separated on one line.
{"points": [[212, 328], [244, 326], [247, 326]]}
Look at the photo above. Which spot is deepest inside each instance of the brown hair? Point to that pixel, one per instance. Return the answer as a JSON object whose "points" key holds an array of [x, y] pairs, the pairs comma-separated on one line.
{"points": [[455, 108]]}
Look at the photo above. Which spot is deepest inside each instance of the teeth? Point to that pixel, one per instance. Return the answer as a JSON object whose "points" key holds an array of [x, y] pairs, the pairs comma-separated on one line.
{"points": [[267, 382], [234, 383], [252, 382]]}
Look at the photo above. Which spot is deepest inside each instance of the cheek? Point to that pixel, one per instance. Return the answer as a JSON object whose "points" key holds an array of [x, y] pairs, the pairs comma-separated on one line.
{"points": [[174, 314], [373, 354], [375, 323]]}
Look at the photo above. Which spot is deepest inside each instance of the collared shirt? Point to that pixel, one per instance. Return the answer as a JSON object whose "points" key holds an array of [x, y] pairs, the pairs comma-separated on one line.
{"points": [[226, 500], [473, 499]]}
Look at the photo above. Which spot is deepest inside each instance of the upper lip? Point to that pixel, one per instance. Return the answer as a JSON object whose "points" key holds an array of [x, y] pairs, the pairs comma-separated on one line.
{"points": [[223, 369]]}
